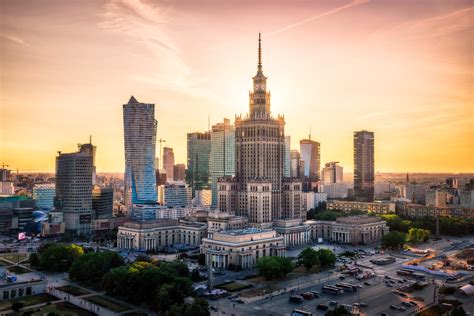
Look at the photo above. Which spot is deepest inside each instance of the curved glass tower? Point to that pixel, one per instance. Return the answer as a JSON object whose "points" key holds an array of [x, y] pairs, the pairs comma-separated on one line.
{"points": [[140, 144]]}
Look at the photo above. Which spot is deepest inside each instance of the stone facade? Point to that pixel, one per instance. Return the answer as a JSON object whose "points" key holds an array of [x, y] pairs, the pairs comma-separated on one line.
{"points": [[159, 234], [242, 248], [375, 207]]}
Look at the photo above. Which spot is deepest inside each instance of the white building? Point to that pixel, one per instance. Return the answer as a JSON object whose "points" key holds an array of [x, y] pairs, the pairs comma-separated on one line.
{"points": [[313, 199], [6, 188], [335, 190], [332, 173]]}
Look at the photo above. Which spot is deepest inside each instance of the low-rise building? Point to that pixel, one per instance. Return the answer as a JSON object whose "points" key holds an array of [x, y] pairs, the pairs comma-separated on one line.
{"points": [[354, 230], [242, 248], [158, 234], [373, 207], [16, 286], [293, 231], [218, 221], [417, 211]]}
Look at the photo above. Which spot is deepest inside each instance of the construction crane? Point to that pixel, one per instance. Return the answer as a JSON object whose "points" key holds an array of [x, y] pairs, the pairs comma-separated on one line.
{"points": [[161, 140]]}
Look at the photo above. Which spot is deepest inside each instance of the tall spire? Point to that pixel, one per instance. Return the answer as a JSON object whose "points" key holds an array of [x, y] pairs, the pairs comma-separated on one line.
{"points": [[259, 51]]}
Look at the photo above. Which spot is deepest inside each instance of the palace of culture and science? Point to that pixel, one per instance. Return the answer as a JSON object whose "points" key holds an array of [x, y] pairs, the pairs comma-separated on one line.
{"points": [[259, 191], [260, 212]]}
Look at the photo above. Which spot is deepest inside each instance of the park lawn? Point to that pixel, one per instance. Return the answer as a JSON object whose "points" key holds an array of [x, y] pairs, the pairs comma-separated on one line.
{"points": [[73, 290], [63, 309], [28, 300], [14, 257], [108, 303], [233, 286], [18, 269]]}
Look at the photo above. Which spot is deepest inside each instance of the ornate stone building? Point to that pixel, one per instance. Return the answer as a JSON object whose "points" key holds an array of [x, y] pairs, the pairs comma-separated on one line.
{"points": [[258, 189]]}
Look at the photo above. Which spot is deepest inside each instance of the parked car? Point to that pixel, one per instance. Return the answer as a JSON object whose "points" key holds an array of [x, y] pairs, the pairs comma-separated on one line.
{"points": [[393, 306], [333, 303], [407, 304], [308, 295], [322, 307], [315, 293], [362, 304], [366, 283]]}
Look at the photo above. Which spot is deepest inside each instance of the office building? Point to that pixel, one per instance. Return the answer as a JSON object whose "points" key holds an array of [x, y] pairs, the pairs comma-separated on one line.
{"points": [[332, 173], [102, 202], [140, 129], [335, 190], [203, 198], [222, 155], [7, 188], [310, 151], [436, 197], [369, 207], [175, 195], [90, 150], [74, 190], [179, 172], [44, 195], [168, 163], [296, 165], [364, 166], [198, 151]]}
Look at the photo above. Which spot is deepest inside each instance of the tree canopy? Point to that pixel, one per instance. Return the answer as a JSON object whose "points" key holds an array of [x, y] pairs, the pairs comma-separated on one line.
{"points": [[394, 240], [92, 266], [274, 267], [418, 235], [59, 257]]}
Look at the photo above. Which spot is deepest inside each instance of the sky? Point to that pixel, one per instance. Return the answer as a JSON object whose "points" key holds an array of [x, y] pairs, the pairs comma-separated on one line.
{"points": [[402, 69]]}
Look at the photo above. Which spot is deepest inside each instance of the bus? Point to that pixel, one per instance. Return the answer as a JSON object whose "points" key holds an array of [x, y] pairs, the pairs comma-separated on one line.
{"points": [[299, 312], [332, 289], [346, 287], [351, 309], [296, 299], [419, 276], [405, 272]]}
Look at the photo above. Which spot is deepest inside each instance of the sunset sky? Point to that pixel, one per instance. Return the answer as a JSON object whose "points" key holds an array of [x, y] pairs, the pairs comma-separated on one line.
{"points": [[403, 69]]}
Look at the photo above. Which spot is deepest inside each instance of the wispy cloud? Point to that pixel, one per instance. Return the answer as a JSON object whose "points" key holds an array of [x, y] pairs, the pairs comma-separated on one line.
{"points": [[14, 39], [432, 27], [150, 23], [310, 19]]}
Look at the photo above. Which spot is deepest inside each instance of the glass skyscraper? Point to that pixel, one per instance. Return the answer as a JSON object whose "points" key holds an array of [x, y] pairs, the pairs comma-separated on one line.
{"points": [[198, 151], [140, 126], [311, 155], [222, 160], [364, 166]]}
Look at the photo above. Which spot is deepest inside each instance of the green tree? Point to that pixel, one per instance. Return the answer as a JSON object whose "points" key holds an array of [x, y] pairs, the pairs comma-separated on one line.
{"points": [[274, 267], [163, 300], [34, 259], [308, 258], [59, 257], [326, 257], [418, 235], [394, 240], [92, 266]]}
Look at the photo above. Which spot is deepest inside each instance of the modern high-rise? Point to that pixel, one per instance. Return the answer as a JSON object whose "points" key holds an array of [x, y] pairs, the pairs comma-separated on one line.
{"points": [[332, 173], [168, 162], [258, 189], [102, 202], [44, 195], [296, 164], [198, 153], [311, 155], [140, 128], [364, 166], [222, 156], [90, 149], [179, 172], [287, 159], [74, 190]]}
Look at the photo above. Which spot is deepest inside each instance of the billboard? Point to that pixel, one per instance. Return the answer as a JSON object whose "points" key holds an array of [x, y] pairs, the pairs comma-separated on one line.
{"points": [[22, 236], [85, 219]]}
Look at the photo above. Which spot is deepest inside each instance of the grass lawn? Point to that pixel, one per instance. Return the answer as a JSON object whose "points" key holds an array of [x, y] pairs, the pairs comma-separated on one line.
{"points": [[28, 300], [108, 303], [233, 286], [18, 269], [63, 308], [14, 257], [73, 290]]}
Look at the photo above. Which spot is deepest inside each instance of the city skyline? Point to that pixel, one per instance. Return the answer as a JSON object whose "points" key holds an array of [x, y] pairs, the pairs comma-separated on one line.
{"points": [[420, 108]]}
